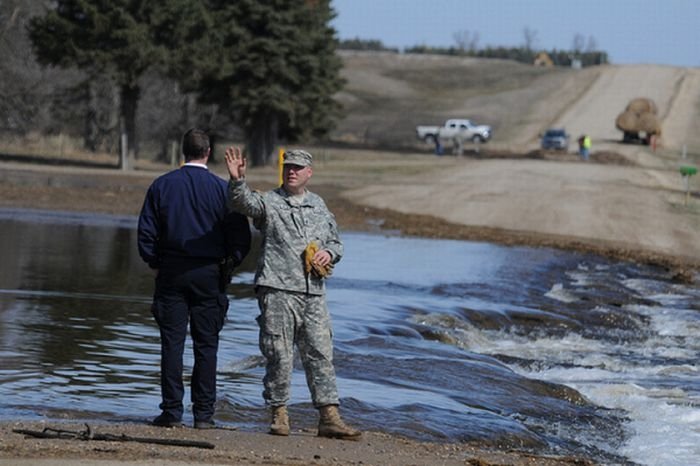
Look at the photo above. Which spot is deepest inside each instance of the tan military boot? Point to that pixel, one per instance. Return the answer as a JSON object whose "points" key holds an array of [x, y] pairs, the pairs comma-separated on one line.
{"points": [[330, 425], [280, 421]]}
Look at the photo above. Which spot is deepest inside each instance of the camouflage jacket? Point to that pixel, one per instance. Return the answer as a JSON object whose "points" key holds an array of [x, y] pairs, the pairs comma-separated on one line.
{"points": [[287, 225]]}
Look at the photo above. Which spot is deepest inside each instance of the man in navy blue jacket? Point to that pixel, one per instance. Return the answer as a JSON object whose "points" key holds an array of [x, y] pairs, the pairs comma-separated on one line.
{"points": [[185, 234]]}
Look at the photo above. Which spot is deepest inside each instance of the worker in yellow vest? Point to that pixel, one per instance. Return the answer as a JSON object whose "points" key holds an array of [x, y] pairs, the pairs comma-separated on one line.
{"points": [[584, 144]]}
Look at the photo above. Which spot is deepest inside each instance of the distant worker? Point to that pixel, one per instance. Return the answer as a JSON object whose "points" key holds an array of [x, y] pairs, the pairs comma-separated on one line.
{"points": [[584, 146], [438, 146], [458, 145]]}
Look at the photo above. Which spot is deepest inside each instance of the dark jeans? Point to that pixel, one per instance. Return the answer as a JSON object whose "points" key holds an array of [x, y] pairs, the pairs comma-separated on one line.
{"points": [[189, 293]]}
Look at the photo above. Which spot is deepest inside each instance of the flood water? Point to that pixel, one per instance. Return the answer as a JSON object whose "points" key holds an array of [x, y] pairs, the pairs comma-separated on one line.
{"points": [[552, 351]]}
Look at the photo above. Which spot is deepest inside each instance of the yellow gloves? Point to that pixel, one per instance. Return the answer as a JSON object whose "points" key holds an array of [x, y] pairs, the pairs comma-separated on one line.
{"points": [[312, 267]]}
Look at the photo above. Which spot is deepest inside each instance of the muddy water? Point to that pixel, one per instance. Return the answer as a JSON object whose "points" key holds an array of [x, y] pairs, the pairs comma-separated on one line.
{"points": [[435, 340]]}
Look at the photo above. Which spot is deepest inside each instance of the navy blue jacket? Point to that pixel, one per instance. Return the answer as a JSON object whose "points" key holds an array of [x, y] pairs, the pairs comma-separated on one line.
{"points": [[184, 219]]}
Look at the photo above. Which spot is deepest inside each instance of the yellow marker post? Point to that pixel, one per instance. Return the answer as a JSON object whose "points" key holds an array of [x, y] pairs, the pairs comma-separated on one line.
{"points": [[280, 164]]}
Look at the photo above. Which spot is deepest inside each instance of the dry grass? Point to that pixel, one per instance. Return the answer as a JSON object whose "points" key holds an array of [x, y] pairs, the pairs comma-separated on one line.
{"points": [[51, 147], [388, 95]]}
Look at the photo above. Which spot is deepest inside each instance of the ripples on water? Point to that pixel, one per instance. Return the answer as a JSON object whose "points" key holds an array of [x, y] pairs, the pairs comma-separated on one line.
{"points": [[435, 340]]}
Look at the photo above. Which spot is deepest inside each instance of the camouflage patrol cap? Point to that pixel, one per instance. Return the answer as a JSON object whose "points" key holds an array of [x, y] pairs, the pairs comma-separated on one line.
{"points": [[298, 157]]}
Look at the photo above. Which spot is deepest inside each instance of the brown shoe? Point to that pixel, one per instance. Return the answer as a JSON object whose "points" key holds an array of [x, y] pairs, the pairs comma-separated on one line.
{"points": [[280, 421], [330, 425]]}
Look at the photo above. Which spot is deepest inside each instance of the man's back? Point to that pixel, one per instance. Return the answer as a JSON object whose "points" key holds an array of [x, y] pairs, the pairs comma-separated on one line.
{"points": [[184, 217]]}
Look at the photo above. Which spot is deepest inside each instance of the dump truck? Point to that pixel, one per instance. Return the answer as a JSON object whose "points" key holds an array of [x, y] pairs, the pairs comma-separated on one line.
{"points": [[639, 122]]}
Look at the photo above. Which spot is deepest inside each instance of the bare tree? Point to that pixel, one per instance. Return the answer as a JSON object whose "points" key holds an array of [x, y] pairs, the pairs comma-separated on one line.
{"points": [[578, 43], [81, 105], [101, 114], [467, 41], [592, 45], [530, 36], [28, 93]]}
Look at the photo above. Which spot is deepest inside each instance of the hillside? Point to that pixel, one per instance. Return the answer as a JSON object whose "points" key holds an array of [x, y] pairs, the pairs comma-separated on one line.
{"points": [[388, 94]]}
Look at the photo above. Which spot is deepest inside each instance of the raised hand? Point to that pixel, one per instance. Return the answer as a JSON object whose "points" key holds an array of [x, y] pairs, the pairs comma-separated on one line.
{"points": [[235, 162]]}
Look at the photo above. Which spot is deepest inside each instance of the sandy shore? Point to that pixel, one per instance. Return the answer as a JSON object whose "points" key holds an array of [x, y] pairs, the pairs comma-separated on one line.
{"points": [[243, 448]]}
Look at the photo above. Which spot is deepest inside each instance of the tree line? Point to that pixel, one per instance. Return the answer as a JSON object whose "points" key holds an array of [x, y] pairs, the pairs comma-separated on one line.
{"points": [[266, 69], [466, 45], [519, 54]]}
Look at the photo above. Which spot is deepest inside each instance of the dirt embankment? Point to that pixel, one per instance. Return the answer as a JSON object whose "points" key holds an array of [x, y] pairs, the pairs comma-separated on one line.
{"points": [[619, 211]]}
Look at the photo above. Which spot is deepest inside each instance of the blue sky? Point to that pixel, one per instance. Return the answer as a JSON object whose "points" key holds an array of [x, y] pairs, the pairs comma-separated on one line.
{"points": [[663, 32]]}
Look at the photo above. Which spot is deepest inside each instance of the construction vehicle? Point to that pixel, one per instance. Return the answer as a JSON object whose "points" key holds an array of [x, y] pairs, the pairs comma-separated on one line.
{"points": [[639, 122]]}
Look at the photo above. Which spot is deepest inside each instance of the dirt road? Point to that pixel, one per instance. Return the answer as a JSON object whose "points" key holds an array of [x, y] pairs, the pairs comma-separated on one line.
{"points": [[674, 90], [596, 110]]}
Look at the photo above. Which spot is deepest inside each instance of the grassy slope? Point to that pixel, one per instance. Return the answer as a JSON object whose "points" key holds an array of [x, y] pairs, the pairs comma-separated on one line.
{"points": [[387, 95]]}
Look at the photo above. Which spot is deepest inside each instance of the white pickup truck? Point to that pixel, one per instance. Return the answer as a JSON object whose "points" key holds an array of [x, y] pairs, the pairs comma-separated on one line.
{"points": [[465, 129]]}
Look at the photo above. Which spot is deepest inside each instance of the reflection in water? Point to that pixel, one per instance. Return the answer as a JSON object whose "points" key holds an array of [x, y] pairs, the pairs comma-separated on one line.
{"points": [[437, 340], [74, 304]]}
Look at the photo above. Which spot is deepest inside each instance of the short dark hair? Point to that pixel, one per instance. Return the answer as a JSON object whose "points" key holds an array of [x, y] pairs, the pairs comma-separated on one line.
{"points": [[195, 144]]}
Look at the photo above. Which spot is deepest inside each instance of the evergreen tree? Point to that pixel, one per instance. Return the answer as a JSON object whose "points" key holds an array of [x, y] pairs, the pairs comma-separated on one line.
{"points": [[275, 70], [184, 29]]}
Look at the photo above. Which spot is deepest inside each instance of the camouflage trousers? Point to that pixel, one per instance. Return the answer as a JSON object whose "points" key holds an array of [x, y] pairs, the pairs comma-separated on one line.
{"points": [[287, 319]]}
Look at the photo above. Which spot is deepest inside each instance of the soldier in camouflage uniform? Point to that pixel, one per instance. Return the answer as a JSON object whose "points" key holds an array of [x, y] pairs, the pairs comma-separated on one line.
{"points": [[292, 301]]}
